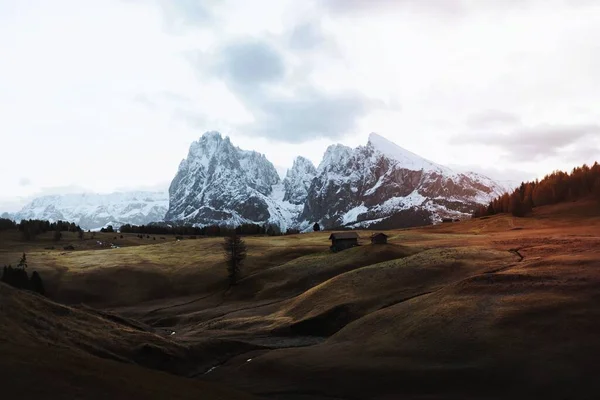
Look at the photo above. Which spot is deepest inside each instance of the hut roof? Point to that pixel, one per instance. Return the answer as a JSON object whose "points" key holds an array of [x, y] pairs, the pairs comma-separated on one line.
{"points": [[343, 235]]}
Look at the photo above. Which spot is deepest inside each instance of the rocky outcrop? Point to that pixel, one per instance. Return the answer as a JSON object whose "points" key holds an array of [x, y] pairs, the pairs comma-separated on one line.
{"points": [[377, 185], [298, 180], [219, 183]]}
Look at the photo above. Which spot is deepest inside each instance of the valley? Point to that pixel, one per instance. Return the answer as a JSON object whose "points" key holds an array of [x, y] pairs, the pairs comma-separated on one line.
{"points": [[299, 200], [486, 308]]}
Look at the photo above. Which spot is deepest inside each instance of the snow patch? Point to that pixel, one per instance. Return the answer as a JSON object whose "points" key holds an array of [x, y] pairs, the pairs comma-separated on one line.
{"points": [[352, 215]]}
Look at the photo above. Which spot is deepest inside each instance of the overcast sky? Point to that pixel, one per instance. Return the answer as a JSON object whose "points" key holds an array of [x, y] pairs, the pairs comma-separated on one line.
{"points": [[107, 95]]}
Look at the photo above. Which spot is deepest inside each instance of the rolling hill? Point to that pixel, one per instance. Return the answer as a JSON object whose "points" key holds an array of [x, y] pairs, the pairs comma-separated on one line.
{"points": [[495, 307]]}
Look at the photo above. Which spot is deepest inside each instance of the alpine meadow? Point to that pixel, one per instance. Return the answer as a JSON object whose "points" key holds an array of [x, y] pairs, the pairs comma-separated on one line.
{"points": [[284, 200]]}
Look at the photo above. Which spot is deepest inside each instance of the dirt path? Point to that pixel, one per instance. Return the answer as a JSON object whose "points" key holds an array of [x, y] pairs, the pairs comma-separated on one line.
{"points": [[180, 304]]}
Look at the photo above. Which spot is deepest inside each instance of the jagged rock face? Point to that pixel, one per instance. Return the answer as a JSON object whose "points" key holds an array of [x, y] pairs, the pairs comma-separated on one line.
{"points": [[221, 184], [372, 183], [93, 211], [298, 180], [377, 185]]}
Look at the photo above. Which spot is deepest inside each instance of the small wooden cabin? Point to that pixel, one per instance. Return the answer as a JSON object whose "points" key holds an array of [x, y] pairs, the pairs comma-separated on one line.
{"points": [[379, 238], [343, 240]]}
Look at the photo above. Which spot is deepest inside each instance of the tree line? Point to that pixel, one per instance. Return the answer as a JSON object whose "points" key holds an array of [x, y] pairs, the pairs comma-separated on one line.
{"points": [[209, 230], [31, 228], [557, 187], [19, 278], [7, 224]]}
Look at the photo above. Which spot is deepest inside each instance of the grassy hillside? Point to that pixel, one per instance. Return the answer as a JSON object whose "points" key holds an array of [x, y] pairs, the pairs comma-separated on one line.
{"points": [[489, 308], [58, 352]]}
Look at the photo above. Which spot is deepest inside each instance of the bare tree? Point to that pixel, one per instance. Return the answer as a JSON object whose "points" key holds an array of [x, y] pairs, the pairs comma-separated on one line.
{"points": [[235, 253]]}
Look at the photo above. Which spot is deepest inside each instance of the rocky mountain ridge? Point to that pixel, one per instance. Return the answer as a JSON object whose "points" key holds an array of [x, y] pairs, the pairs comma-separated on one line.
{"points": [[376, 185], [94, 211]]}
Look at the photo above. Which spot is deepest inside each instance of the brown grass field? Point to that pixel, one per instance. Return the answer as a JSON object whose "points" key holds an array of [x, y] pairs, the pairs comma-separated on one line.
{"points": [[491, 308]]}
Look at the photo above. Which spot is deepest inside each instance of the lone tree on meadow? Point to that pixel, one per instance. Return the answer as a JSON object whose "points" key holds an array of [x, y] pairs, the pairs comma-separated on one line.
{"points": [[235, 253], [22, 262], [316, 227]]}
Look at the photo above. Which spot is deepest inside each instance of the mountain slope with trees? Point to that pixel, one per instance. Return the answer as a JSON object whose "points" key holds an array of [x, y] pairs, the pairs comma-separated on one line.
{"points": [[557, 187]]}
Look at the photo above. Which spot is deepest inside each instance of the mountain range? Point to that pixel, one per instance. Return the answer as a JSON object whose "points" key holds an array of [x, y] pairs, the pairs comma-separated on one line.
{"points": [[378, 185], [94, 211]]}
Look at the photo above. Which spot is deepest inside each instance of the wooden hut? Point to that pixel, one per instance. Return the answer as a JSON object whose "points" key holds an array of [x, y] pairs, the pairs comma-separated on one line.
{"points": [[379, 238], [343, 240]]}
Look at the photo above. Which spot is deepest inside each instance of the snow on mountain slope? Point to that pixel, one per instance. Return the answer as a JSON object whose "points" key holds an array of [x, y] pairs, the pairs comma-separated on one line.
{"points": [[221, 184], [377, 185], [407, 159], [93, 211], [298, 180]]}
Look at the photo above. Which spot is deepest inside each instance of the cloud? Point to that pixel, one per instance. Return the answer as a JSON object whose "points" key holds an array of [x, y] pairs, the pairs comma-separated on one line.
{"points": [[157, 187], [310, 114], [24, 182], [455, 7], [248, 64], [586, 151], [444, 8], [533, 143], [181, 107], [308, 35], [284, 107], [492, 119], [178, 15], [508, 176], [145, 100], [193, 119], [55, 190]]}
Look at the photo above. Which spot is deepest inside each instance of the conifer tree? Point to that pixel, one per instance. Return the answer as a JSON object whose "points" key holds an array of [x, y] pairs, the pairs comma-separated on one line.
{"points": [[235, 253], [22, 262], [516, 206]]}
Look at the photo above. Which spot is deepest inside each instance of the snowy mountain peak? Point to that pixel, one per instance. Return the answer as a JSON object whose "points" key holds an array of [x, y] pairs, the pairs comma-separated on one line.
{"points": [[219, 183], [302, 165], [335, 155], [93, 211], [407, 159], [298, 180]]}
